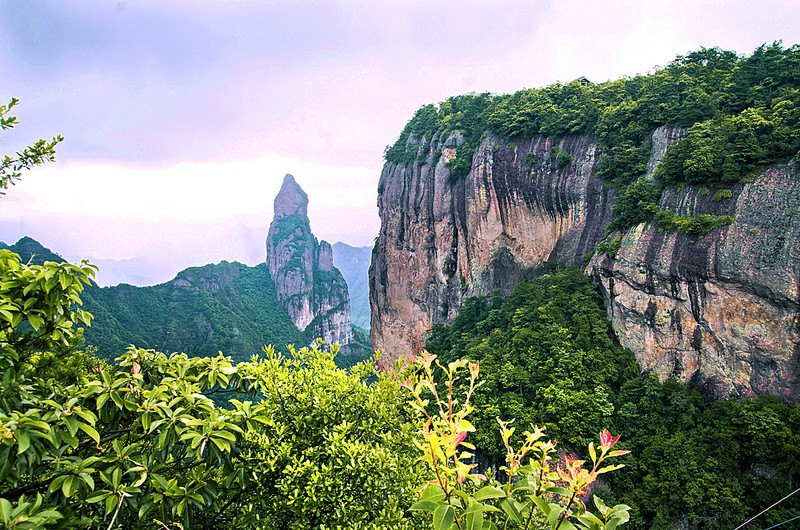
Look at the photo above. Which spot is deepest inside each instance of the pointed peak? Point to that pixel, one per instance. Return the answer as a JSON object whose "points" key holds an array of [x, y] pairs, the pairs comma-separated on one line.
{"points": [[291, 199]]}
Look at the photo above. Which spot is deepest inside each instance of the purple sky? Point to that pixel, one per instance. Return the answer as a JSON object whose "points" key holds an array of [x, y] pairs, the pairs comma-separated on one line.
{"points": [[181, 117]]}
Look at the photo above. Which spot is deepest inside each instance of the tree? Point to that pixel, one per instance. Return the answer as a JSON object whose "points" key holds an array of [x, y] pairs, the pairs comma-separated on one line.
{"points": [[38, 153], [142, 439], [141, 442]]}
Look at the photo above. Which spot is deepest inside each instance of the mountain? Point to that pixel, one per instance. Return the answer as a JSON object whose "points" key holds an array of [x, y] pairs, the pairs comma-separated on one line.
{"points": [[226, 307], [307, 284], [31, 251], [353, 262], [679, 188]]}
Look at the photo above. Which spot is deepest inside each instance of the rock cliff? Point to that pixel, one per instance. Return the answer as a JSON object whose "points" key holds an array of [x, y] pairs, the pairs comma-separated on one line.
{"points": [[719, 311], [311, 289]]}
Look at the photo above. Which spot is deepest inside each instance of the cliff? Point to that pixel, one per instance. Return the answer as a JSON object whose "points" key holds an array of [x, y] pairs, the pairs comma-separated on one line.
{"points": [[311, 289], [719, 311]]}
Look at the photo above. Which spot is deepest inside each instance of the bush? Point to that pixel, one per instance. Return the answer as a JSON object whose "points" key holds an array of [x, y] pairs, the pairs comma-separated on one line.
{"points": [[563, 159], [121, 444]]}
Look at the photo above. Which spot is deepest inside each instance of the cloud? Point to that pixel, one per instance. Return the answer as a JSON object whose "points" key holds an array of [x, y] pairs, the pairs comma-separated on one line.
{"points": [[182, 116]]}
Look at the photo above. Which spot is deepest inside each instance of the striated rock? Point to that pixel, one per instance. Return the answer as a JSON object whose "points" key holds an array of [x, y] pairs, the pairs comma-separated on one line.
{"points": [[311, 289], [443, 239], [720, 311]]}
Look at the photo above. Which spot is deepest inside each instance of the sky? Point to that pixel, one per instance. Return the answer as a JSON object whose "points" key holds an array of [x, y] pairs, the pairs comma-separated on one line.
{"points": [[181, 117]]}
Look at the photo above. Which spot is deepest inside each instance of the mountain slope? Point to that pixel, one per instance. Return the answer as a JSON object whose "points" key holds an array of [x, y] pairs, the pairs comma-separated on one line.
{"points": [[227, 307]]}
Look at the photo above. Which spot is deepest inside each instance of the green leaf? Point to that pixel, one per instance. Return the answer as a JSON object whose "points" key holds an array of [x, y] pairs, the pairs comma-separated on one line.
{"points": [[428, 506], [91, 431], [510, 507], [488, 492], [70, 486], [97, 496], [443, 517], [72, 424], [35, 322], [474, 521], [57, 482], [24, 440], [432, 493], [111, 503], [87, 478], [5, 510]]}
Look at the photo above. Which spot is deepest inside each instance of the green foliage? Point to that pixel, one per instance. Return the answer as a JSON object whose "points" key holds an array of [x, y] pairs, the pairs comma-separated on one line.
{"points": [[742, 114], [698, 225], [41, 151], [546, 356], [530, 160], [624, 163], [225, 307], [563, 159], [547, 359], [610, 248], [125, 444], [722, 195], [636, 203], [330, 450], [528, 491]]}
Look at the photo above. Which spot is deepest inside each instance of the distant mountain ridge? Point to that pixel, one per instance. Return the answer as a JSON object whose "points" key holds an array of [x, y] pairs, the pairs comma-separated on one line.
{"points": [[353, 262], [226, 307]]}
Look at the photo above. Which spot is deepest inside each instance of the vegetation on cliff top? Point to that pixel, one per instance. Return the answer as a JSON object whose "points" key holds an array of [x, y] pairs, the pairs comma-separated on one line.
{"points": [[741, 113]]}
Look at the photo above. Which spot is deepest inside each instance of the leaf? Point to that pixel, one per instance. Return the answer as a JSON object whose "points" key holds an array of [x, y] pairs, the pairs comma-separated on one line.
{"points": [[432, 493], [24, 440], [606, 469], [480, 507], [87, 478], [488, 492], [101, 400], [97, 496], [57, 482], [111, 502], [70, 486], [72, 424], [91, 431], [559, 490], [542, 504], [443, 517], [474, 521], [555, 512], [509, 506], [35, 322], [428, 506]]}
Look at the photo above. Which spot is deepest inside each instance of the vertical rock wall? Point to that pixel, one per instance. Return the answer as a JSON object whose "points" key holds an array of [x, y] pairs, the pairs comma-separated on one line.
{"points": [[719, 311]]}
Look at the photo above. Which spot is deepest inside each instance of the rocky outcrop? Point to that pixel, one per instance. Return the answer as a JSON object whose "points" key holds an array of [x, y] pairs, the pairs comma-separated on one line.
{"points": [[720, 311], [311, 289]]}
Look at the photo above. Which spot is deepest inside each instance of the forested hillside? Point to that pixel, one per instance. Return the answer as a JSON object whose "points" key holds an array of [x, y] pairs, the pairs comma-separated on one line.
{"points": [[549, 359], [228, 307]]}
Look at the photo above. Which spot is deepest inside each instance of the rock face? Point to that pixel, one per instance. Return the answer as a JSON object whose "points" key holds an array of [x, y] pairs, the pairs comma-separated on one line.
{"points": [[311, 289], [720, 311]]}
